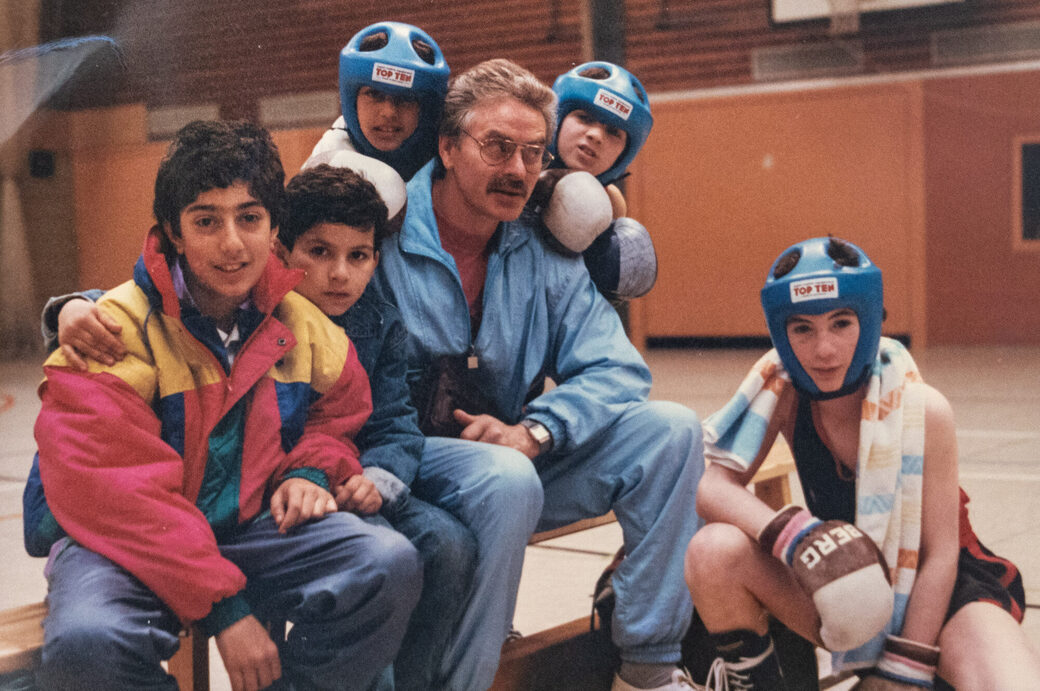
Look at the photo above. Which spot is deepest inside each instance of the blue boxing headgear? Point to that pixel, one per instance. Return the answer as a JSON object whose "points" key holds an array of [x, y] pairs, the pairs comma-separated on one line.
{"points": [[816, 284], [618, 99], [396, 68]]}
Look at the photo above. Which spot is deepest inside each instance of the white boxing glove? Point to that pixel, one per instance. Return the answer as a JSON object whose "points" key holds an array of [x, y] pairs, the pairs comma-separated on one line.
{"points": [[575, 207], [335, 149], [334, 140], [386, 180]]}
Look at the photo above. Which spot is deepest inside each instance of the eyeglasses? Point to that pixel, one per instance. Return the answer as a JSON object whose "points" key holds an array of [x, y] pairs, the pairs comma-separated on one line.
{"points": [[497, 150]]}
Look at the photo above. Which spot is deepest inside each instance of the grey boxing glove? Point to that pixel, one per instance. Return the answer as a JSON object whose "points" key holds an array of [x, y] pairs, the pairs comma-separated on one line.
{"points": [[622, 261]]}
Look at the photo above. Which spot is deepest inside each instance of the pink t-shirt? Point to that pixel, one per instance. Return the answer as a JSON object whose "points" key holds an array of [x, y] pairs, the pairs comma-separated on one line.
{"points": [[470, 252]]}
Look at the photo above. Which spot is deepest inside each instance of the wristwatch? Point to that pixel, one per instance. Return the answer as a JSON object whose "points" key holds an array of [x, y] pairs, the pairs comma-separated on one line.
{"points": [[540, 434]]}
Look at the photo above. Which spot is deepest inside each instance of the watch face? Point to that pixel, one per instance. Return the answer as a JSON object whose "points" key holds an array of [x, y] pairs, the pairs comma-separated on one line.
{"points": [[540, 434]]}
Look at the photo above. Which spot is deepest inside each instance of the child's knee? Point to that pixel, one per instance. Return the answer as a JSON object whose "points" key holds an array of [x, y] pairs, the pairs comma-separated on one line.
{"points": [[713, 554], [456, 549], [396, 558], [92, 652]]}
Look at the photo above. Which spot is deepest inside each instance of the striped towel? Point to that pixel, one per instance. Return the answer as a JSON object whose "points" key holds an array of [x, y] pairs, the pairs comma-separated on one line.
{"points": [[889, 465]]}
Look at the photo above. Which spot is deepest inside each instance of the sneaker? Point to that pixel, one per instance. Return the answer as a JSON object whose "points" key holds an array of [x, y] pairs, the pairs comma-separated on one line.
{"points": [[742, 675], [680, 682]]}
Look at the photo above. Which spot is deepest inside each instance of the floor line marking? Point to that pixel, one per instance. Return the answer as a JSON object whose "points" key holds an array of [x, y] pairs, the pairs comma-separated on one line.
{"points": [[574, 550], [1016, 477], [998, 434]]}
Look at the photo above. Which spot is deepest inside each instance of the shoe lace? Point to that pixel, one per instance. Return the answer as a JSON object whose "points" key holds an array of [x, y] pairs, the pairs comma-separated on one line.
{"points": [[724, 678], [684, 679]]}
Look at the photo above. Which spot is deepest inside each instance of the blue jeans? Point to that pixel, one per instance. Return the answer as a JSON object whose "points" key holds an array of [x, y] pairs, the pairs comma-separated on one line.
{"points": [[645, 468], [347, 587], [449, 556]]}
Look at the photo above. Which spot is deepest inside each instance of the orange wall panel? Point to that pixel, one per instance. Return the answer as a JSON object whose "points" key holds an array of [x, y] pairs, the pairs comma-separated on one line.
{"points": [[113, 207], [295, 146], [724, 184], [982, 289]]}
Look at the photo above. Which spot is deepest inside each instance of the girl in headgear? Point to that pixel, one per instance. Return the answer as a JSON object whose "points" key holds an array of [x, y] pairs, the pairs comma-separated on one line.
{"points": [[876, 453]]}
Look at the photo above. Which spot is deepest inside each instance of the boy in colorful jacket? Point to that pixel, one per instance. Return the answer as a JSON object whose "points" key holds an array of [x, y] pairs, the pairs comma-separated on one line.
{"points": [[193, 477]]}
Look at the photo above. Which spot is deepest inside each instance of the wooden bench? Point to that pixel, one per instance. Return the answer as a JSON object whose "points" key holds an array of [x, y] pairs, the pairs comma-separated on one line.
{"points": [[571, 655]]}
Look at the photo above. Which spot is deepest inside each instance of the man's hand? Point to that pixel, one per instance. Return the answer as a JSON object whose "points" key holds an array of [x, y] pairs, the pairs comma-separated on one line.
{"points": [[359, 495], [297, 501], [876, 683], [86, 332], [249, 655], [493, 431]]}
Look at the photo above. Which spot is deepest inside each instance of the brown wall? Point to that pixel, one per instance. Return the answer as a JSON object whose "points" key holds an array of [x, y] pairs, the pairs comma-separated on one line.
{"points": [[981, 287], [918, 172], [231, 52]]}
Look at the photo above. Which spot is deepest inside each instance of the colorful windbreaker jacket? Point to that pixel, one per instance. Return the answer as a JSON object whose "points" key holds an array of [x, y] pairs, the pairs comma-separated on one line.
{"points": [[123, 450]]}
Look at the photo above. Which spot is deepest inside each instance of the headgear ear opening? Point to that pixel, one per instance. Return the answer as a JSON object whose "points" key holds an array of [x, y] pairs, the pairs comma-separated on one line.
{"points": [[817, 276]]}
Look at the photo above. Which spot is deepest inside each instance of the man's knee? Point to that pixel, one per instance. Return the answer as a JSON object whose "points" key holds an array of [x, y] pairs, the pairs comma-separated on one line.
{"points": [[510, 482], [673, 421], [673, 450]]}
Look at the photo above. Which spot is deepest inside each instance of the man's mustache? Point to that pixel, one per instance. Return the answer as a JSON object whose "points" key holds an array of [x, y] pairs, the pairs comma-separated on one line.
{"points": [[507, 185]]}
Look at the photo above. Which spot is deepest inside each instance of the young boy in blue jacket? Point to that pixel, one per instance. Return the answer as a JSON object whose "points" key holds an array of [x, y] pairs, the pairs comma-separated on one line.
{"points": [[333, 223]]}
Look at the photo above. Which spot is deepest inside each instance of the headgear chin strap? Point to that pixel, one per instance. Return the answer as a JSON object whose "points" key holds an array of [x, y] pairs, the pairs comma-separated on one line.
{"points": [[817, 284], [398, 69], [618, 99]]}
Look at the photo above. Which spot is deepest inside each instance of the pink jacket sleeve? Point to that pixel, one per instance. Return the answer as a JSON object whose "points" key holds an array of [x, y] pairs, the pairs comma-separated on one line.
{"points": [[116, 488]]}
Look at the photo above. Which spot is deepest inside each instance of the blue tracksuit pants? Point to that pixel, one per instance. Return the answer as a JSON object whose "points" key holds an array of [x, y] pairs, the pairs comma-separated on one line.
{"points": [[645, 467], [347, 587]]}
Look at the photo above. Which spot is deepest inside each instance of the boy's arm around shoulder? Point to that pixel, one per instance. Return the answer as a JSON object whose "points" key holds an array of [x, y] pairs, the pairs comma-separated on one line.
{"points": [[52, 310], [115, 486], [391, 440]]}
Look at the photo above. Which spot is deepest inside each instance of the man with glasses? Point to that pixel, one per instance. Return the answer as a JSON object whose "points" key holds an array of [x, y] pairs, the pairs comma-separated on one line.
{"points": [[492, 312]]}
